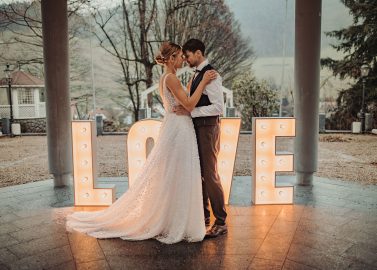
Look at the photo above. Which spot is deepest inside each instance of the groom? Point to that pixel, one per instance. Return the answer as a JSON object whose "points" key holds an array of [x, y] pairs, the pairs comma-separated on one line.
{"points": [[207, 127]]}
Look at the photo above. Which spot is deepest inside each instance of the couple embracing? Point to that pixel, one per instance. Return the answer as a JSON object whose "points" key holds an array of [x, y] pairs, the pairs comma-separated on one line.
{"points": [[171, 197]]}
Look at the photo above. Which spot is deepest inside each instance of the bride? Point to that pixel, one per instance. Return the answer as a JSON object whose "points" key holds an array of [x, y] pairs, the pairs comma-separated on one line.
{"points": [[166, 201]]}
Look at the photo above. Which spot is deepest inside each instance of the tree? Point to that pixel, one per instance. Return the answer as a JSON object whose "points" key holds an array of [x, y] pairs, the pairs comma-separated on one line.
{"points": [[254, 98], [21, 31], [213, 23], [127, 33], [358, 42], [22, 46], [132, 32]]}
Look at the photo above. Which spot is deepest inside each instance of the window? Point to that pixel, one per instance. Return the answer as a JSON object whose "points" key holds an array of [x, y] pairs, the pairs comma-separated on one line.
{"points": [[25, 96], [42, 95], [4, 96]]}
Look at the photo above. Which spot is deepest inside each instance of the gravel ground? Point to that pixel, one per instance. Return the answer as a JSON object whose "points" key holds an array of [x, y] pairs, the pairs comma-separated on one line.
{"points": [[346, 157]]}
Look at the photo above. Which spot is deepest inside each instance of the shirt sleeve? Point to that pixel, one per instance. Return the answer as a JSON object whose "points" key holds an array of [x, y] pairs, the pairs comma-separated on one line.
{"points": [[216, 97]]}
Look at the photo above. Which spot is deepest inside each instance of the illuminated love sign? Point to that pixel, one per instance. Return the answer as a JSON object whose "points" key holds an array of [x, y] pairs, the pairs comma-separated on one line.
{"points": [[229, 133], [265, 162], [137, 138], [86, 193], [142, 130]]}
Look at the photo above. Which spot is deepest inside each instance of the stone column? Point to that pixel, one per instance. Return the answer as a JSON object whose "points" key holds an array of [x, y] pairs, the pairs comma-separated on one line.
{"points": [[306, 93], [58, 111]]}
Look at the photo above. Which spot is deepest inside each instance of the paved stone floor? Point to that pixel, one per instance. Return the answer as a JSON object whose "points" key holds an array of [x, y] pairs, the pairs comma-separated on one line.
{"points": [[331, 225]]}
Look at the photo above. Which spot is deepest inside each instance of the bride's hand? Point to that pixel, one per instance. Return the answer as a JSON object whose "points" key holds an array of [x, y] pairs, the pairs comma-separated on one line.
{"points": [[209, 75], [180, 110]]}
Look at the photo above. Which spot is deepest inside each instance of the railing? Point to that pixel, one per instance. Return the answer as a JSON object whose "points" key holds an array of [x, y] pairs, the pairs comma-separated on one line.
{"points": [[4, 111], [42, 110], [24, 111]]}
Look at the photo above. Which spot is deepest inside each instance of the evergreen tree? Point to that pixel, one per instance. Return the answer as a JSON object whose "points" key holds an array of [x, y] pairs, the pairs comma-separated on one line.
{"points": [[358, 43]]}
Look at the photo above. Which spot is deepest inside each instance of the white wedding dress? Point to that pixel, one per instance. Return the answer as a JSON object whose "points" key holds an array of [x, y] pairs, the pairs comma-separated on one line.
{"points": [[165, 202]]}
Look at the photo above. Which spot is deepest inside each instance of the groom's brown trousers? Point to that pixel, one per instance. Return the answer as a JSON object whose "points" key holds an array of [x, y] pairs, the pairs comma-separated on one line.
{"points": [[207, 131]]}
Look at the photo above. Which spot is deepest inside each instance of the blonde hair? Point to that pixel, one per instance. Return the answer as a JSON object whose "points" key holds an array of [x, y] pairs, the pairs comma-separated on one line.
{"points": [[167, 49]]}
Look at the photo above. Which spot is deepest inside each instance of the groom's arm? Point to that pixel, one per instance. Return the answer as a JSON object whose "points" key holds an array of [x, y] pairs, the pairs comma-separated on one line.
{"points": [[216, 97]]}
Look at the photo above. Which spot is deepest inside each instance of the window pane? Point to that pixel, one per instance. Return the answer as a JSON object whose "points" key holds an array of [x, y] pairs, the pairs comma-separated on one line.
{"points": [[42, 95], [25, 96]]}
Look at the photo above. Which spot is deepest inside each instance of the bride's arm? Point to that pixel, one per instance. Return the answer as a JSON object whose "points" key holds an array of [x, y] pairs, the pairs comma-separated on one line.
{"points": [[179, 93], [188, 87]]}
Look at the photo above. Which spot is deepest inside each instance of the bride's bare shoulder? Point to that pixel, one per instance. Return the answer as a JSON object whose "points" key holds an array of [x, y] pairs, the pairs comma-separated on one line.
{"points": [[171, 77]]}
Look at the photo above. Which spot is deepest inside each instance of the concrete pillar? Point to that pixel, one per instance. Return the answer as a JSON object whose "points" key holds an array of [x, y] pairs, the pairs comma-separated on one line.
{"points": [[55, 51], [306, 93]]}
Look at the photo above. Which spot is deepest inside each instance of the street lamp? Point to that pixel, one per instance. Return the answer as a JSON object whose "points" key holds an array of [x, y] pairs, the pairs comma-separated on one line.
{"points": [[364, 70], [9, 81]]}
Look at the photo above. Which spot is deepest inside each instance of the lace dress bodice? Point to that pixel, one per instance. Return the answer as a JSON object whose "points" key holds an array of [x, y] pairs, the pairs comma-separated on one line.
{"points": [[168, 98]]}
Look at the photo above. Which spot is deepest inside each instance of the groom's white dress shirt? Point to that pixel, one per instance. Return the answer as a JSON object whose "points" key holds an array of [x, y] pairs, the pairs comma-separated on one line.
{"points": [[215, 94]]}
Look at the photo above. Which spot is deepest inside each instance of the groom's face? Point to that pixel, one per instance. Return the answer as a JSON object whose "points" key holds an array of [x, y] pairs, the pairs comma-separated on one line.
{"points": [[192, 58]]}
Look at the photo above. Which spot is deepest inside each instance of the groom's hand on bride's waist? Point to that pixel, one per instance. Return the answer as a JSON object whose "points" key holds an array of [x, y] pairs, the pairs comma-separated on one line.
{"points": [[180, 110]]}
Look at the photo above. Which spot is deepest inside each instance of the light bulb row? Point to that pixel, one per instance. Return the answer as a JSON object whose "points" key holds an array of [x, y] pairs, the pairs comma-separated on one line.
{"points": [[263, 193], [281, 126], [86, 195], [264, 162]]}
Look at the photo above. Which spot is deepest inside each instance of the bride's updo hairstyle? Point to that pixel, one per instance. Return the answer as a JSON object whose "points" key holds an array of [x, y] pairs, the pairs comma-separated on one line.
{"points": [[167, 49]]}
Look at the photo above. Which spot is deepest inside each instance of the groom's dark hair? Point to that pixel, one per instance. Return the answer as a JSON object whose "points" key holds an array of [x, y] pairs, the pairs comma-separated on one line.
{"points": [[192, 45]]}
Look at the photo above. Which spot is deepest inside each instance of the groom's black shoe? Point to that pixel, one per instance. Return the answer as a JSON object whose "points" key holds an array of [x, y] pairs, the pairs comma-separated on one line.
{"points": [[207, 222], [216, 230]]}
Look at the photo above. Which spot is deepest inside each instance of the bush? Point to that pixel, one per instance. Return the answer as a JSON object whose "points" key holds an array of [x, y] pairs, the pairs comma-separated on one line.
{"points": [[254, 98]]}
